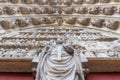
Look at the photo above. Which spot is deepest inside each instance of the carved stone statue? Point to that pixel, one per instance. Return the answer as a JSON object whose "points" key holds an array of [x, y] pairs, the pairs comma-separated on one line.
{"points": [[24, 10], [71, 20], [105, 1], [94, 10], [84, 21], [67, 2], [81, 10], [52, 2], [60, 63], [78, 2], [49, 10], [49, 20], [7, 25], [98, 23], [35, 21], [9, 10], [3, 1], [14, 1], [37, 10], [42, 2], [91, 1], [69, 10], [114, 25], [21, 23], [109, 10], [28, 1]]}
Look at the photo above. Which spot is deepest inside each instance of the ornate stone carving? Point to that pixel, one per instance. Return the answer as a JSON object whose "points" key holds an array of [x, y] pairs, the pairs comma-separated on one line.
{"points": [[24, 10], [91, 1], [37, 10], [62, 62], [60, 10], [7, 25], [49, 20], [52, 2], [41, 2], [59, 21], [81, 10], [78, 2], [67, 2], [70, 20], [35, 21], [3, 1], [69, 10], [98, 23], [94, 10], [113, 25], [9, 10], [83, 21], [105, 1], [28, 1], [49, 10], [21, 23], [109, 10], [14, 1]]}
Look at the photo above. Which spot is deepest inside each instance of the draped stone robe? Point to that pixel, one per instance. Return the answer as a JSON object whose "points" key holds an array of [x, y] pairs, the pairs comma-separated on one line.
{"points": [[57, 64]]}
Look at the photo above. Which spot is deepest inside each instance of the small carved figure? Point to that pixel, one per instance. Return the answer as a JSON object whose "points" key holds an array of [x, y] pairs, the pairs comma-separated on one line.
{"points": [[84, 21], [59, 21], [14, 1], [7, 25], [60, 10], [9, 10], [81, 10], [114, 25], [69, 10], [35, 21], [98, 23], [3, 1], [52, 2], [37, 10], [21, 23], [94, 10], [49, 10], [42, 2], [91, 1], [28, 1], [109, 10], [49, 20], [116, 0], [71, 20], [24, 10], [78, 2], [67, 2], [105, 1]]}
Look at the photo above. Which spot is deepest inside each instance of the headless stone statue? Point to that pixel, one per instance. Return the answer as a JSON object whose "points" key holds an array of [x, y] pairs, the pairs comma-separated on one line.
{"points": [[60, 63]]}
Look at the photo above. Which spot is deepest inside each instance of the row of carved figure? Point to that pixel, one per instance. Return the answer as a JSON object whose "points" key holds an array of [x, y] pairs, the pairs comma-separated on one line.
{"points": [[58, 2], [21, 42], [16, 53], [111, 24], [61, 10]]}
